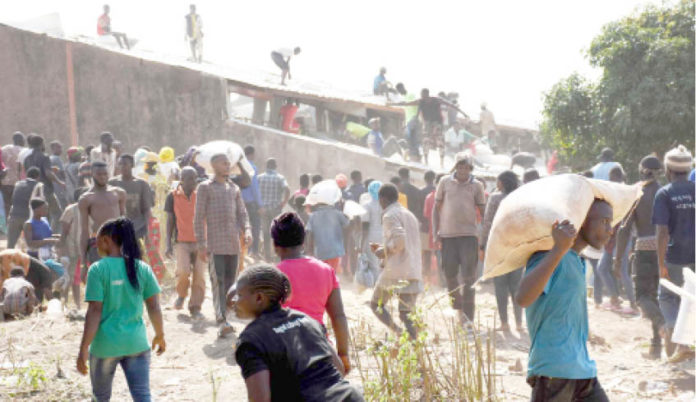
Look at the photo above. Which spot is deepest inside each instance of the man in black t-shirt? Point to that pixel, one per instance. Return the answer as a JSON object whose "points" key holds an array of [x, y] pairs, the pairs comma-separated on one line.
{"points": [[429, 108]]}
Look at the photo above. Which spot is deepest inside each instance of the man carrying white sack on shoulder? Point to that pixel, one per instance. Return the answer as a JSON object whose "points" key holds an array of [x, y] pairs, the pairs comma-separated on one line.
{"points": [[554, 293]]}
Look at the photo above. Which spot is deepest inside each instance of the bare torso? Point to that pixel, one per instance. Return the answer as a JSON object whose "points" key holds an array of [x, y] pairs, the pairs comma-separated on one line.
{"points": [[103, 205]]}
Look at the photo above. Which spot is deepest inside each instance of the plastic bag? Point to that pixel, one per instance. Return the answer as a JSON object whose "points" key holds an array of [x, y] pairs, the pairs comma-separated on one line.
{"points": [[365, 275]]}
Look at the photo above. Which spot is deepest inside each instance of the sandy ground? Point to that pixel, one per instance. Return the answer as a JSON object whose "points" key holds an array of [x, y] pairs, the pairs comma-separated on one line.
{"points": [[198, 366]]}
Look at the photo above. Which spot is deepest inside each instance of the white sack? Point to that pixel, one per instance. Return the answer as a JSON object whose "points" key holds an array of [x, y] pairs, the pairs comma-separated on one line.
{"points": [[685, 327], [353, 209], [233, 151], [522, 224], [324, 192]]}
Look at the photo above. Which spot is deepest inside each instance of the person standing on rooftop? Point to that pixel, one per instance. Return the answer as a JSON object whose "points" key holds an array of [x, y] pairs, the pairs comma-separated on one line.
{"points": [[194, 34], [281, 58]]}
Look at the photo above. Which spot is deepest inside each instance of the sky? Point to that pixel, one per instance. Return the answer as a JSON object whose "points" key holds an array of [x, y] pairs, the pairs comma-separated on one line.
{"points": [[504, 53]]}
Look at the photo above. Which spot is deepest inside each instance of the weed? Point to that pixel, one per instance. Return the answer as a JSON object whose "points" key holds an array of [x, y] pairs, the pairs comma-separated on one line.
{"points": [[214, 382], [427, 368]]}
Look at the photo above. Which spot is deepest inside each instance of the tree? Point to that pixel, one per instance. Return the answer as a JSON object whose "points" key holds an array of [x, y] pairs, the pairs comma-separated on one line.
{"points": [[644, 100], [570, 120]]}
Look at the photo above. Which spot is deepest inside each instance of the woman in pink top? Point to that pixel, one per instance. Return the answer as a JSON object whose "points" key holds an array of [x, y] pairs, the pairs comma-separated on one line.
{"points": [[314, 284]]}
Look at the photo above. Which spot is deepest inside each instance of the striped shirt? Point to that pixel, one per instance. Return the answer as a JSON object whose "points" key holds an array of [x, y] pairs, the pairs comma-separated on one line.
{"points": [[220, 217]]}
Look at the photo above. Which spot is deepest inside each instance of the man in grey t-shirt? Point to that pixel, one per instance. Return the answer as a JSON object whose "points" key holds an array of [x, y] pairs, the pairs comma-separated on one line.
{"points": [[457, 198], [139, 198]]}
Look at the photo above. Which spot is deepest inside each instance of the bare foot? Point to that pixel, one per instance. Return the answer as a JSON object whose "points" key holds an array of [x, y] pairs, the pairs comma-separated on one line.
{"points": [[503, 328]]}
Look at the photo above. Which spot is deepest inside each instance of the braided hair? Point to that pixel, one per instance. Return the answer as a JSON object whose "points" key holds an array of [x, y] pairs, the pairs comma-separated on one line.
{"points": [[268, 280], [121, 232]]}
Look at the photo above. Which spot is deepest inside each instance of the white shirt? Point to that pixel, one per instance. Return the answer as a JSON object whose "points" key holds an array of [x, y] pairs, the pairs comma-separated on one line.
{"points": [[108, 158], [23, 155], [285, 52], [487, 122], [453, 138]]}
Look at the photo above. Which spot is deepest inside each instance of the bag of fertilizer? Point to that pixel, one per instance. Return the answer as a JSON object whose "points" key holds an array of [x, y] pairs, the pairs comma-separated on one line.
{"points": [[522, 224], [233, 151]]}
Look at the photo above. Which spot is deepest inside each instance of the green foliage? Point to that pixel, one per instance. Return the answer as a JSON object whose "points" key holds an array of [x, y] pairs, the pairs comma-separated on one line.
{"points": [[570, 120], [32, 377], [644, 100]]}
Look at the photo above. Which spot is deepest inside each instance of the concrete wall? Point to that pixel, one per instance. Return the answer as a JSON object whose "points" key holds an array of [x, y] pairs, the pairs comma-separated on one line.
{"points": [[299, 154], [149, 103], [141, 102]]}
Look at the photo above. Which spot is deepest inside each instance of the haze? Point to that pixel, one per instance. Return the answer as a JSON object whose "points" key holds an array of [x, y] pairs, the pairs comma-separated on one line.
{"points": [[506, 53]]}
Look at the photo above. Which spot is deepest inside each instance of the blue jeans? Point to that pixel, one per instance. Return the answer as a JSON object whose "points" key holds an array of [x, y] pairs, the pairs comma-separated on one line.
{"points": [[255, 222], [606, 265], [596, 281], [135, 367], [669, 301]]}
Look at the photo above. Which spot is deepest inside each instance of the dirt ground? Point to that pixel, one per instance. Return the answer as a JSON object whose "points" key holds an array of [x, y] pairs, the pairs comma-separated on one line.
{"points": [[198, 366]]}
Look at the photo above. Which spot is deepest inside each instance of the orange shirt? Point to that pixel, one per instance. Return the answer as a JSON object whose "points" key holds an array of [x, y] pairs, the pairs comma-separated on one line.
{"points": [[184, 209], [10, 258]]}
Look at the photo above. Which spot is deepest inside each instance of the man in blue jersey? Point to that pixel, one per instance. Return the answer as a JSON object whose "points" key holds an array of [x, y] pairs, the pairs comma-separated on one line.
{"points": [[554, 293]]}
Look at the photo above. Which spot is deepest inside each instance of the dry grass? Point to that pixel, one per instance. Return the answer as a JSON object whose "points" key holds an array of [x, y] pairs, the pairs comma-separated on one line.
{"points": [[458, 366]]}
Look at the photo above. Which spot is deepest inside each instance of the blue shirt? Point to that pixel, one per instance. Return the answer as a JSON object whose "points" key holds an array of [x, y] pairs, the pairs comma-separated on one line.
{"points": [[251, 193], [692, 176], [602, 169], [326, 224], [378, 81], [40, 229], [375, 141], [674, 207], [558, 324]]}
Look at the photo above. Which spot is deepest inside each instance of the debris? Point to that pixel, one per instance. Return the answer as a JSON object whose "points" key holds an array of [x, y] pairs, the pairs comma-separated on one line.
{"points": [[517, 367]]}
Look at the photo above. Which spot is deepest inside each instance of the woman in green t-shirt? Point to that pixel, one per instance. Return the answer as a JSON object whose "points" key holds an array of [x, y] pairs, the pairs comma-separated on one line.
{"points": [[114, 330]]}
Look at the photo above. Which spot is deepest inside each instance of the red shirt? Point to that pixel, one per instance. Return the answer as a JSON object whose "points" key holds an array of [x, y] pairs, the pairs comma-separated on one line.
{"points": [[288, 114], [103, 25], [428, 207]]}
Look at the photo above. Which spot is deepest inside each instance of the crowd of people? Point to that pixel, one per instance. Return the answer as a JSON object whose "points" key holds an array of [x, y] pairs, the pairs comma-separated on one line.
{"points": [[94, 219]]}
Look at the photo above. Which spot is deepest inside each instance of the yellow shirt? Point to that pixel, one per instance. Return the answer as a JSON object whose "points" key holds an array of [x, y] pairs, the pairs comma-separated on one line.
{"points": [[403, 200]]}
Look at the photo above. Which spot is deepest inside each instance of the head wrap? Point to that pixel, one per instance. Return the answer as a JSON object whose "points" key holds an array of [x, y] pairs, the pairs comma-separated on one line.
{"points": [[74, 151], [373, 189], [166, 154], [342, 181]]}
